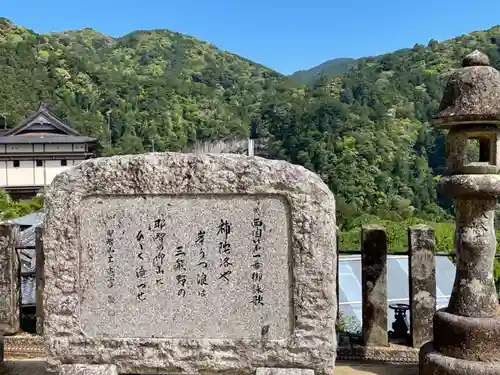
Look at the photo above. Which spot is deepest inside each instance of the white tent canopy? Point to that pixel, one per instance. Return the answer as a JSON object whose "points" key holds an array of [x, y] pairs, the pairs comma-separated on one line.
{"points": [[350, 298]]}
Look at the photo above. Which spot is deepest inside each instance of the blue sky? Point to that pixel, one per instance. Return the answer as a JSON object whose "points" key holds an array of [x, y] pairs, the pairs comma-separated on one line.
{"points": [[283, 35]]}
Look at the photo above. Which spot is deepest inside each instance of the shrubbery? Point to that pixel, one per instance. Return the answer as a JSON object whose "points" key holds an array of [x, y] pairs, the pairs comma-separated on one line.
{"points": [[10, 209]]}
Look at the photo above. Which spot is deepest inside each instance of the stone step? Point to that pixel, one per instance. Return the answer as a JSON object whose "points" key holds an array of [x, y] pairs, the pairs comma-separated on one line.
{"points": [[356, 368], [37, 367]]}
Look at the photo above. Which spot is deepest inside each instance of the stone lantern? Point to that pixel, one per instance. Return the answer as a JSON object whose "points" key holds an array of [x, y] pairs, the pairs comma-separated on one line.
{"points": [[467, 332]]}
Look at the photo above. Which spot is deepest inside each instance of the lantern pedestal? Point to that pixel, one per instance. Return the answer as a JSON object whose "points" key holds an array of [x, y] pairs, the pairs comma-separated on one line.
{"points": [[434, 362], [467, 333]]}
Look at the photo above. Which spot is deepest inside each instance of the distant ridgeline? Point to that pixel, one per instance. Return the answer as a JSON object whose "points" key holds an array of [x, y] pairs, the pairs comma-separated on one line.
{"points": [[331, 68]]}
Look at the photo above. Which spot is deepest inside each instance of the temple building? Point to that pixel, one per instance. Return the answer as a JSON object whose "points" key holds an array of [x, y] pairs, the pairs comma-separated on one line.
{"points": [[36, 150]]}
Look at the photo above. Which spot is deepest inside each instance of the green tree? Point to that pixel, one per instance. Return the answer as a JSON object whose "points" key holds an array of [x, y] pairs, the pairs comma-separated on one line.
{"points": [[10, 209]]}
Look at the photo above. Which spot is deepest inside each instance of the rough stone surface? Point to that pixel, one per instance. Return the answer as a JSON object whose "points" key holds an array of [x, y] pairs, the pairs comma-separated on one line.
{"points": [[433, 362], [24, 345], [458, 150], [393, 353], [31, 346], [374, 280], [466, 334], [337, 281], [473, 339], [283, 371], [422, 277], [473, 185], [472, 95], [476, 58], [479, 168], [2, 351], [474, 293], [310, 341], [89, 370], [37, 367], [9, 280], [40, 279], [237, 292]]}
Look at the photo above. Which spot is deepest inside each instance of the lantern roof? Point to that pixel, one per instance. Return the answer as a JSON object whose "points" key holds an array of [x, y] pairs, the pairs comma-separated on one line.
{"points": [[472, 94]]}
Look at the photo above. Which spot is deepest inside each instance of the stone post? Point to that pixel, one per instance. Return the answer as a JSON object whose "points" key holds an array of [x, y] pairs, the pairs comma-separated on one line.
{"points": [[374, 285], [467, 333], [422, 277], [337, 245], [10, 280], [40, 279], [476, 247], [2, 351]]}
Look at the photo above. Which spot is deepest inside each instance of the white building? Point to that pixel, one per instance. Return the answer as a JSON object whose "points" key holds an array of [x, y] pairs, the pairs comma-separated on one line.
{"points": [[36, 150]]}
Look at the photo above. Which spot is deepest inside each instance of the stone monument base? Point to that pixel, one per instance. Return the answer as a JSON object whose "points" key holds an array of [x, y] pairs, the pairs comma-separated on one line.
{"points": [[283, 371], [112, 370], [433, 362], [89, 370]]}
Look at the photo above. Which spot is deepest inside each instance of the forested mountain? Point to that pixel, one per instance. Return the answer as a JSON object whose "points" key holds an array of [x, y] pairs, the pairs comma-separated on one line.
{"points": [[365, 132], [149, 86], [330, 69]]}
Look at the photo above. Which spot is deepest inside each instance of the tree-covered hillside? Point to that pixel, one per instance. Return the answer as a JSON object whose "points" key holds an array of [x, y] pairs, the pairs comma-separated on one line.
{"points": [[149, 86], [365, 132]]}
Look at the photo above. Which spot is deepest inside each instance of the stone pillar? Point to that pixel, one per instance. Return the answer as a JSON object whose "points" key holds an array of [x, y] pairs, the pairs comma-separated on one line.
{"points": [[422, 276], [2, 351], [467, 333], [474, 293], [374, 285], [337, 244], [40, 279], [10, 280]]}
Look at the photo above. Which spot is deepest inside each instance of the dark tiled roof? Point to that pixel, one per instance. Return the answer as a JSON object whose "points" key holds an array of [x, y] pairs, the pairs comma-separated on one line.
{"points": [[20, 139], [54, 121]]}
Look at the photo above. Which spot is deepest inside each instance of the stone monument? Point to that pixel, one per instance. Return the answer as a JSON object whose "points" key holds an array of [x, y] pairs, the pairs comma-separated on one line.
{"points": [[189, 264], [467, 333]]}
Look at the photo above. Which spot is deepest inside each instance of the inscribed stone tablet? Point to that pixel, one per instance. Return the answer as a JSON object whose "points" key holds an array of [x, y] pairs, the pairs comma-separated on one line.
{"points": [[172, 299], [185, 267]]}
